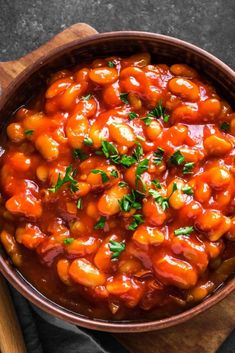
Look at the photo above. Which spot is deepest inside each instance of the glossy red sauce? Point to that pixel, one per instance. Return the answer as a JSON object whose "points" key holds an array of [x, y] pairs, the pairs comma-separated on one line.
{"points": [[117, 189]]}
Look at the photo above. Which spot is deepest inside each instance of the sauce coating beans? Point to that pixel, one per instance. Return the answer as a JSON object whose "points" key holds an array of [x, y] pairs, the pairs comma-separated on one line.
{"points": [[117, 189]]}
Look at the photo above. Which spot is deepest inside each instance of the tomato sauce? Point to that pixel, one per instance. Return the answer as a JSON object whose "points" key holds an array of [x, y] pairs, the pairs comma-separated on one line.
{"points": [[117, 189]]}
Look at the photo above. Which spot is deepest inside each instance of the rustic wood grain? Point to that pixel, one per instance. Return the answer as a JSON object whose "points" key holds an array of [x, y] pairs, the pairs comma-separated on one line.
{"points": [[203, 333], [11, 340]]}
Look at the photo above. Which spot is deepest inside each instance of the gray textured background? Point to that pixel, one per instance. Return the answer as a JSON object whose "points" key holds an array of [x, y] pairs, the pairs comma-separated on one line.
{"points": [[25, 24]]}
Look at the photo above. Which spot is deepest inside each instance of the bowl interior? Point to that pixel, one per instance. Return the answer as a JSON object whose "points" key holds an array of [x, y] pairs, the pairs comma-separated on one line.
{"points": [[163, 50]]}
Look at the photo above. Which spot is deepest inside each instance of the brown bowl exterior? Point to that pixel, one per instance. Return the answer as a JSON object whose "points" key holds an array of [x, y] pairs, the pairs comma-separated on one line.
{"points": [[163, 49]]}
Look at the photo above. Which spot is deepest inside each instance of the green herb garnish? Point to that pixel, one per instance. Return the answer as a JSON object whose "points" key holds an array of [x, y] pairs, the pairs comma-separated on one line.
{"points": [[104, 176], [187, 190], [79, 204], [110, 151], [141, 168], [138, 219], [88, 141], [156, 183], [122, 184], [79, 154], [28, 132], [158, 156], [116, 248], [225, 126], [87, 97], [138, 152], [187, 169], [130, 201], [177, 158], [101, 223], [123, 97], [159, 112], [68, 178], [111, 64], [184, 231], [132, 116], [114, 173], [127, 161], [162, 201], [147, 121], [68, 241]]}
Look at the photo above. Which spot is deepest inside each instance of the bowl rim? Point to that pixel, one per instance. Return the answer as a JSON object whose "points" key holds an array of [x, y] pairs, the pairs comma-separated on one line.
{"points": [[31, 293]]}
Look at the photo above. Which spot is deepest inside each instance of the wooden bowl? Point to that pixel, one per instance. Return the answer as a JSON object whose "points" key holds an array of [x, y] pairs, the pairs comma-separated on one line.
{"points": [[57, 54]]}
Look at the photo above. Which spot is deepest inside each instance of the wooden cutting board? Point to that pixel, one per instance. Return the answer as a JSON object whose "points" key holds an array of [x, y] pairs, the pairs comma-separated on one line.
{"points": [[202, 334]]}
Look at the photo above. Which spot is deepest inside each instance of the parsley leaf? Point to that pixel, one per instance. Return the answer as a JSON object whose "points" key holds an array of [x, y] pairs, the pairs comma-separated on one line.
{"points": [[111, 64], [132, 115], [116, 248], [141, 168], [162, 201], [68, 178], [138, 219], [110, 151], [114, 173], [184, 231], [68, 241], [130, 201], [88, 141], [147, 121], [123, 97], [225, 126], [127, 161], [156, 183], [104, 176], [28, 132], [187, 169], [101, 223], [159, 112], [177, 158], [79, 154], [138, 152], [79, 204], [87, 97], [122, 184], [187, 190], [158, 156]]}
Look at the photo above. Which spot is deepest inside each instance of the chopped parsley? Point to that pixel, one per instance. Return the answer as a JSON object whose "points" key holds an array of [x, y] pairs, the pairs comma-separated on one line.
{"points": [[68, 178], [156, 183], [101, 223], [116, 248], [104, 176], [132, 116], [162, 201], [158, 156], [177, 158], [224, 126], [79, 154], [122, 184], [111, 64], [79, 204], [141, 168], [130, 201], [138, 152], [147, 121], [127, 161], [68, 241], [88, 141], [138, 219], [114, 173], [87, 97], [187, 169], [123, 97], [159, 112], [184, 231], [187, 190], [28, 132], [110, 151]]}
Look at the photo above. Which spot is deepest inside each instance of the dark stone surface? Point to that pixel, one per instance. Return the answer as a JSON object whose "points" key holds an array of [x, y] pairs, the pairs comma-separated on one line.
{"points": [[25, 24]]}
